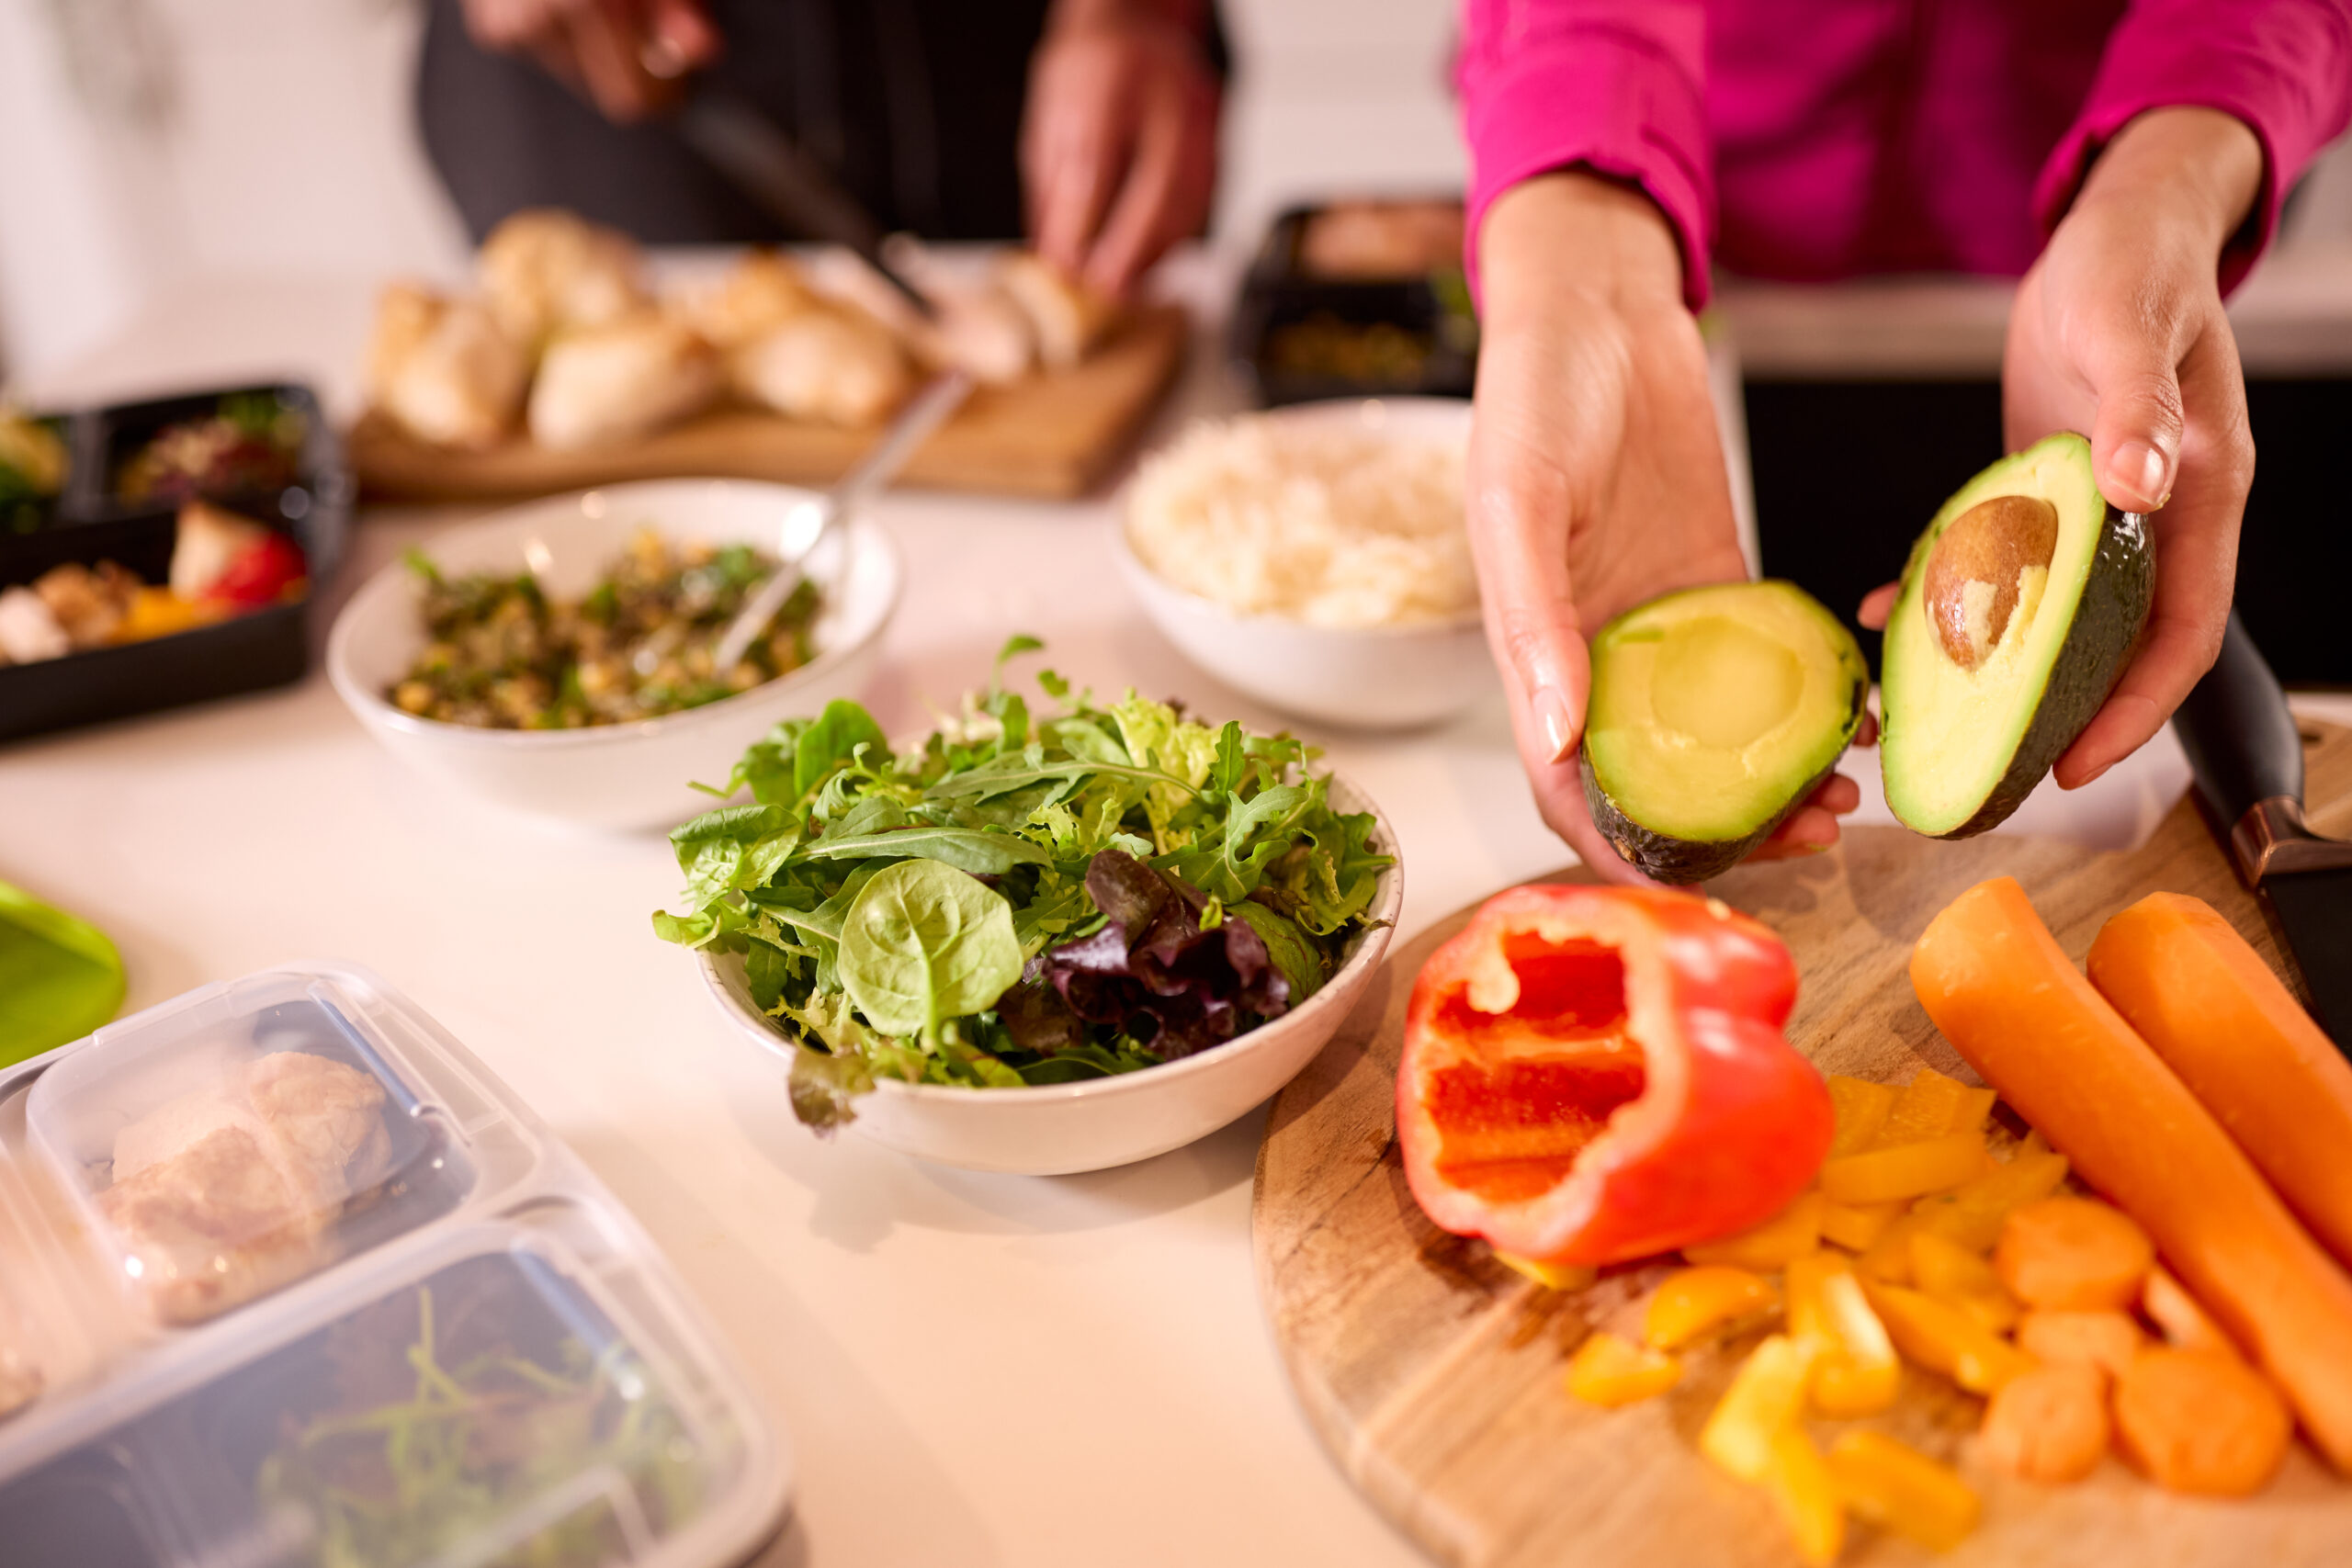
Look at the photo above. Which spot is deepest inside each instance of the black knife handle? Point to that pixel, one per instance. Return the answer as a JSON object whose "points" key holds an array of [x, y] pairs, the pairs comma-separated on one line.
{"points": [[2241, 742]]}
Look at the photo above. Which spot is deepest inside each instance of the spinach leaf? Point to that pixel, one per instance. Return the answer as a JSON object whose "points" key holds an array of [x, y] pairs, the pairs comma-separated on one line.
{"points": [[732, 848], [1294, 955], [975, 850], [832, 740], [924, 943]]}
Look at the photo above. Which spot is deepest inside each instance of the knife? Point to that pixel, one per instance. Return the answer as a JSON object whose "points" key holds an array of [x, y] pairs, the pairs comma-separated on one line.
{"points": [[2247, 758], [739, 140]]}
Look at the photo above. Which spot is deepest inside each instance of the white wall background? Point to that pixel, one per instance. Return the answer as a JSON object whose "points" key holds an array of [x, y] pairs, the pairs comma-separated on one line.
{"points": [[153, 143]]}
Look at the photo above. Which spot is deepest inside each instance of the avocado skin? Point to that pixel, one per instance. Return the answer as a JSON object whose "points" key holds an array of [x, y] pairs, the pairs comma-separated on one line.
{"points": [[2108, 619], [1684, 860]]}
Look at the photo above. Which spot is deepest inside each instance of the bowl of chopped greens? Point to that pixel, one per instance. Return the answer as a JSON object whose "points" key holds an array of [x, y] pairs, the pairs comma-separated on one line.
{"points": [[1041, 939], [556, 658]]}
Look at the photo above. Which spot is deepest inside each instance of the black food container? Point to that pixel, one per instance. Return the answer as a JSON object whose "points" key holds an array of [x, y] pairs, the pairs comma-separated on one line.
{"points": [[94, 521], [1299, 336]]}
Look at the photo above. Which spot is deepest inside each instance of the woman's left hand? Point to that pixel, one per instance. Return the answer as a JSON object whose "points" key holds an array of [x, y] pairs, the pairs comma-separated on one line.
{"points": [[2118, 331], [1118, 144]]}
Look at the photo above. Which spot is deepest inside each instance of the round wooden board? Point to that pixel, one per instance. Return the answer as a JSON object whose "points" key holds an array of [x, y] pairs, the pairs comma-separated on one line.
{"points": [[1433, 1374]]}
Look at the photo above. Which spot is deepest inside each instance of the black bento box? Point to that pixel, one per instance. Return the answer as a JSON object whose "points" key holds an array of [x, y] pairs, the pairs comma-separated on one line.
{"points": [[91, 520], [1299, 336]]}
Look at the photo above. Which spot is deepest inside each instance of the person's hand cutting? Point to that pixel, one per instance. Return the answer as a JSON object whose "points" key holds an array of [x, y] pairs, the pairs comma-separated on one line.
{"points": [[1596, 477], [2118, 332], [1118, 142], [628, 57]]}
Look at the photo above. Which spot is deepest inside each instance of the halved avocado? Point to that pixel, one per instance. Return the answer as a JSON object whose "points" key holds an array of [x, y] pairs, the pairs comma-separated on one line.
{"points": [[2020, 606], [1714, 712]]}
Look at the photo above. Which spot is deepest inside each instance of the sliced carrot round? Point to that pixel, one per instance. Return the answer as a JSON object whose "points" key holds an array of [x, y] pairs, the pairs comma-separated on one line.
{"points": [[2199, 1421], [2074, 1252]]}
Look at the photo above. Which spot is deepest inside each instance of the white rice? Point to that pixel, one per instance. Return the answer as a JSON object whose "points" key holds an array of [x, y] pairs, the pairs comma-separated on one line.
{"points": [[1334, 528]]}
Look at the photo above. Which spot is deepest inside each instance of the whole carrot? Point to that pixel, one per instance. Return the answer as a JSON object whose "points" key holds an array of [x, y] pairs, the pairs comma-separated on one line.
{"points": [[2199, 994], [2006, 996]]}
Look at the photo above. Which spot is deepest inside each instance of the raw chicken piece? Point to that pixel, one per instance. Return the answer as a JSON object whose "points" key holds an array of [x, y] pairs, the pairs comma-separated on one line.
{"points": [[834, 363], [761, 293], [621, 380], [445, 369], [545, 270], [222, 1195], [1068, 318]]}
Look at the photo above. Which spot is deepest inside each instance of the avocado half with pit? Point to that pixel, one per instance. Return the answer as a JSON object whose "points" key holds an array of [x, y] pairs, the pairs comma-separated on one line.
{"points": [[1714, 712], [2020, 608]]}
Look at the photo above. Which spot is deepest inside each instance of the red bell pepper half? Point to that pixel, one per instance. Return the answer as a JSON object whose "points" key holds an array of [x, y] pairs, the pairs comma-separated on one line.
{"points": [[1596, 1073]]}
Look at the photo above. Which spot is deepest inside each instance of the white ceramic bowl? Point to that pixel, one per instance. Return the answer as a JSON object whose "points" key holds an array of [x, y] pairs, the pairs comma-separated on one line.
{"points": [[1366, 678], [622, 776], [1062, 1128]]}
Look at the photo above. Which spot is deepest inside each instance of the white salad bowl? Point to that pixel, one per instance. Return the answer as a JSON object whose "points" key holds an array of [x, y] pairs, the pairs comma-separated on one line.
{"points": [[1364, 677], [622, 776], [1063, 1128]]}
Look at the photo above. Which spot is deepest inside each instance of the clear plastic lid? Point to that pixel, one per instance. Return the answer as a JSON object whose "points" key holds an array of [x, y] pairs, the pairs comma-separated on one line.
{"points": [[227, 1148]]}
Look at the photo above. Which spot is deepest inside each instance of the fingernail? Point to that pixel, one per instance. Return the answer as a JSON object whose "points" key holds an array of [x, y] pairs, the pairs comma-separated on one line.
{"points": [[1552, 714], [2139, 458]]}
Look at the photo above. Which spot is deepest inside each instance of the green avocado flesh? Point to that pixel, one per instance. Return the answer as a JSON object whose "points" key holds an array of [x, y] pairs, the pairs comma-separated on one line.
{"points": [[1962, 748], [1714, 712]]}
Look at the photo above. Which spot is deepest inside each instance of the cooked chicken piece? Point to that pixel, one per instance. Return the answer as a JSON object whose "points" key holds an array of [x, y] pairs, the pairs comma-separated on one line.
{"points": [[621, 380], [89, 603], [222, 1195], [761, 293], [29, 631], [20, 1382], [445, 369], [1068, 318], [978, 328], [206, 539], [835, 364], [543, 271]]}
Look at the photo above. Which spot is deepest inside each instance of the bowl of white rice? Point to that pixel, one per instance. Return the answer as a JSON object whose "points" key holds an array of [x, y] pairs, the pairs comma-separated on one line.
{"points": [[1315, 558]]}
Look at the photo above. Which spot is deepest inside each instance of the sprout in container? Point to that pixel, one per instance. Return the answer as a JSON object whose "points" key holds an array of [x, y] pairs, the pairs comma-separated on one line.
{"points": [[1026, 899]]}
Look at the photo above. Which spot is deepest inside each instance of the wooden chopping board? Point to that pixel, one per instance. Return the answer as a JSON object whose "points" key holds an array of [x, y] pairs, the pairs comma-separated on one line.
{"points": [[1433, 1374], [1051, 434]]}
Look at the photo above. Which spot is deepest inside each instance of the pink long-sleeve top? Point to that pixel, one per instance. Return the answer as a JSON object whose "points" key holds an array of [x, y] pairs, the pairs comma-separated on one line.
{"points": [[1821, 139]]}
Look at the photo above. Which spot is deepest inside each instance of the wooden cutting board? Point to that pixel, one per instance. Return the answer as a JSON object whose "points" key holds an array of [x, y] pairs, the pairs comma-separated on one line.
{"points": [[1051, 434], [1433, 1374]]}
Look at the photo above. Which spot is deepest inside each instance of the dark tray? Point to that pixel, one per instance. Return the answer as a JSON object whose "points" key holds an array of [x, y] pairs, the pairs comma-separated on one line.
{"points": [[91, 522], [1278, 296]]}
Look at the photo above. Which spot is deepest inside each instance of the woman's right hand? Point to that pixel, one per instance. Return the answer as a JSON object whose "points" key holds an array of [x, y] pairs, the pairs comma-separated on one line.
{"points": [[1596, 477], [625, 56]]}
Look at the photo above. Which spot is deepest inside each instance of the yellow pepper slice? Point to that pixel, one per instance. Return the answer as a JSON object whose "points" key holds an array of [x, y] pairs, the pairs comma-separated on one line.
{"points": [[1766, 1397], [1951, 1273], [1974, 1212], [1689, 1302], [1789, 1235], [1900, 1489], [1855, 1370], [1933, 1106], [1807, 1495], [1943, 1339], [1905, 1171], [1551, 1276], [1856, 1225], [1861, 1108], [1610, 1370]]}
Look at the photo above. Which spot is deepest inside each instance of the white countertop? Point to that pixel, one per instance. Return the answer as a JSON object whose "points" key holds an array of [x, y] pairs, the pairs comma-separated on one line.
{"points": [[974, 1369]]}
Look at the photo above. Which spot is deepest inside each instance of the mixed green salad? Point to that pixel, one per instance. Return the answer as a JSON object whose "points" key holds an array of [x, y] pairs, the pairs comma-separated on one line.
{"points": [[1028, 897]]}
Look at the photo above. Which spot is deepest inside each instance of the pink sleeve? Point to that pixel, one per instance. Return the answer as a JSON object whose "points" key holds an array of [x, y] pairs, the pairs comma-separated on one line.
{"points": [[2282, 66], [1617, 84]]}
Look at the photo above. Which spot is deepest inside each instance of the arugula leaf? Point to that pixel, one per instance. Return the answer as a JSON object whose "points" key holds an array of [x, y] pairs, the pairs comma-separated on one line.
{"points": [[1294, 953], [973, 850], [924, 943]]}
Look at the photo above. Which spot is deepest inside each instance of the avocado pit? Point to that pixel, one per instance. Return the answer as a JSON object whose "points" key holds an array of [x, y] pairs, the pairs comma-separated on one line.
{"points": [[1974, 570]]}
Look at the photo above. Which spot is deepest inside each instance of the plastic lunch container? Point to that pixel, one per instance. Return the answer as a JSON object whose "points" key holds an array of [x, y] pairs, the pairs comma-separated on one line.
{"points": [[94, 519], [288, 1278]]}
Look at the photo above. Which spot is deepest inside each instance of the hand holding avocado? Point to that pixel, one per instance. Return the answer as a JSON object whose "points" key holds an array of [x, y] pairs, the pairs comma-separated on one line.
{"points": [[1597, 483], [2119, 331]]}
